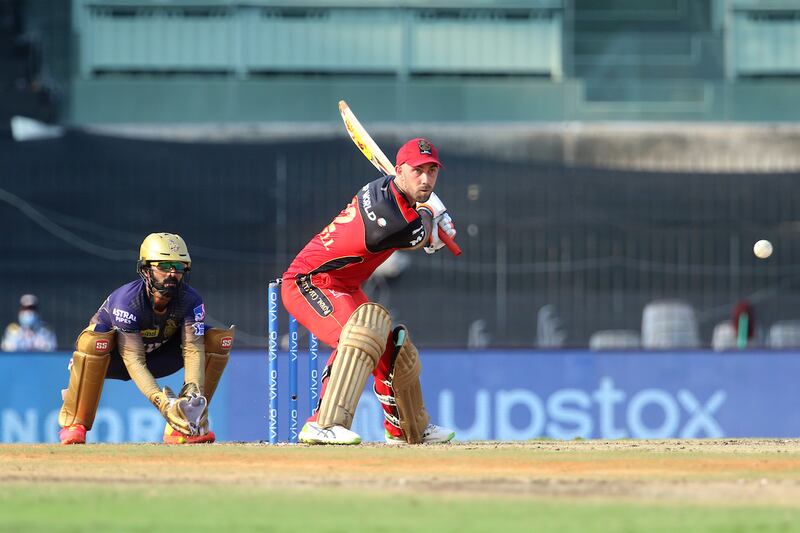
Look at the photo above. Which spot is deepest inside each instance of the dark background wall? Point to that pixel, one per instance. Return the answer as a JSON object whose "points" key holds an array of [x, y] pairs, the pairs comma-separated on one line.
{"points": [[595, 244]]}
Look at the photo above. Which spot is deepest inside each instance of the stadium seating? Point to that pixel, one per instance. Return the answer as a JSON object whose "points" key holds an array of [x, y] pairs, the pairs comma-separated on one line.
{"points": [[615, 339], [669, 324]]}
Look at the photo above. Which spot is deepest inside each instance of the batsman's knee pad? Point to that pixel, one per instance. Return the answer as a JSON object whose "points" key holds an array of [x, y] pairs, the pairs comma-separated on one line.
{"points": [[86, 377], [407, 389], [218, 344], [361, 344]]}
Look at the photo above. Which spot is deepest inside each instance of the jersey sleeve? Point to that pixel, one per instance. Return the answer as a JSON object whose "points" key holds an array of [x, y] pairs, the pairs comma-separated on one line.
{"points": [[121, 314], [389, 223], [193, 343], [194, 320]]}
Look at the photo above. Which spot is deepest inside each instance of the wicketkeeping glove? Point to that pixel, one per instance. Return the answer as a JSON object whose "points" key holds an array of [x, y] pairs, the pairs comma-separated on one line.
{"points": [[196, 407], [173, 409]]}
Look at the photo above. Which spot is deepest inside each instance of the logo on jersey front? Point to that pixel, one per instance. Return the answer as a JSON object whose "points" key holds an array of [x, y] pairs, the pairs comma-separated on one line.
{"points": [[199, 312], [348, 214], [170, 328], [148, 348], [199, 328], [150, 333]]}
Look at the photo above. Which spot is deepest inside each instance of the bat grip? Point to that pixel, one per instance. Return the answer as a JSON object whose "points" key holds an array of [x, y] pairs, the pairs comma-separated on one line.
{"points": [[449, 242]]}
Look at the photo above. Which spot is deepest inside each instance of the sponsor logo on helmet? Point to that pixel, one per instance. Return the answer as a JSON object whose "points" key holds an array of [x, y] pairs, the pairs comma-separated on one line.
{"points": [[226, 342], [424, 147], [101, 345], [173, 245]]}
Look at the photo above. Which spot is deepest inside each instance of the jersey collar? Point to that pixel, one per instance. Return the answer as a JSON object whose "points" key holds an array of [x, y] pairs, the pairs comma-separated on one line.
{"points": [[399, 194]]}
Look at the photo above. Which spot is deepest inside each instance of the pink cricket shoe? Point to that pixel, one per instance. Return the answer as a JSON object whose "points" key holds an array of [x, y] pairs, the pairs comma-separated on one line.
{"points": [[74, 434], [173, 436]]}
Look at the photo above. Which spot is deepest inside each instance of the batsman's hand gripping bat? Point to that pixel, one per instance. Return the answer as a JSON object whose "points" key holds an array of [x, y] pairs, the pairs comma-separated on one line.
{"points": [[379, 160]]}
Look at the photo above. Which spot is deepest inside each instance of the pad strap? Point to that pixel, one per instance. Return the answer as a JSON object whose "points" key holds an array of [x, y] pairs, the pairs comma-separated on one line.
{"points": [[390, 405]]}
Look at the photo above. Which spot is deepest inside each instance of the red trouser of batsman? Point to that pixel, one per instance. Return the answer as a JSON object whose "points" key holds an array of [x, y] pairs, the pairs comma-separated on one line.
{"points": [[324, 311]]}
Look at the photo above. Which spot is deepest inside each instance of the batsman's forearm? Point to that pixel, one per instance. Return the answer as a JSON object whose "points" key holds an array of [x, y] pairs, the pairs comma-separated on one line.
{"points": [[131, 348], [427, 223]]}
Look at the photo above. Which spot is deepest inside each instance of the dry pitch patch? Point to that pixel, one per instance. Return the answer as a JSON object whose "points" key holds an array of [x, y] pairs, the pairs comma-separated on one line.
{"points": [[710, 472]]}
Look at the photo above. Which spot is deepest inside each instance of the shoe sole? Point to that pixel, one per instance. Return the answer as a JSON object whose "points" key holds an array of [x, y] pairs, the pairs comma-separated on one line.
{"points": [[204, 439], [400, 442], [303, 440]]}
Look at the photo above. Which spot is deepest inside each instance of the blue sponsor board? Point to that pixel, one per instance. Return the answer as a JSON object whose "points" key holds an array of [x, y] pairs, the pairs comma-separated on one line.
{"points": [[496, 394]]}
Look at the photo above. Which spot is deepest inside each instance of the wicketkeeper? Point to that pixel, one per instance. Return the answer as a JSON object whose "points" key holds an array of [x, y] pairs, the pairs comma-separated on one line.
{"points": [[148, 329], [322, 290]]}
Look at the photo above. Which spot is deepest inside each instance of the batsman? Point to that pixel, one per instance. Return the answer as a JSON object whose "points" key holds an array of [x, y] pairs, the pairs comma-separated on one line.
{"points": [[322, 290], [148, 329]]}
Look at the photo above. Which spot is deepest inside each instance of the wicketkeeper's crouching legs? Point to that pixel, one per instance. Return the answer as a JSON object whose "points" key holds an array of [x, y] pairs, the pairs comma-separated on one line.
{"points": [[89, 367], [87, 373], [218, 343]]}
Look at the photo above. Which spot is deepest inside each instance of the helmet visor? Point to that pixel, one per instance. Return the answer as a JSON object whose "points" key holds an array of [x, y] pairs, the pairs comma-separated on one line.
{"points": [[167, 266]]}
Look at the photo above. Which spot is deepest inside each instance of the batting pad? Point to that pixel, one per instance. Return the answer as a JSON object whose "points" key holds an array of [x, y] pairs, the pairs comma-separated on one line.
{"points": [[361, 344], [408, 392], [86, 377]]}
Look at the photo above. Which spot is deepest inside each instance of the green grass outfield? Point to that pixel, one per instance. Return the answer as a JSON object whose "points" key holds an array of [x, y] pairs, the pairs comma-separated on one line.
{"points": [[590, 486]]}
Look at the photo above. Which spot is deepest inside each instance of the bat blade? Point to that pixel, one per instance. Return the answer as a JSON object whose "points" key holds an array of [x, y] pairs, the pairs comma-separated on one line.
{"points": [[363, 140]]}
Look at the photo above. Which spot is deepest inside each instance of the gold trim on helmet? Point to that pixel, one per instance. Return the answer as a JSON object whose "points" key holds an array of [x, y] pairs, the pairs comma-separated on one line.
{"points": [[164, 247]]}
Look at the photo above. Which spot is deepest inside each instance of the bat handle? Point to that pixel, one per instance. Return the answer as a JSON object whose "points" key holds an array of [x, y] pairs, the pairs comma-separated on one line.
{"points": [[449, 242]]}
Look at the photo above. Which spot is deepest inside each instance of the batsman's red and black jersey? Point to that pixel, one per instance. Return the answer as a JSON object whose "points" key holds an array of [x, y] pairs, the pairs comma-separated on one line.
{"points": [[378, 221]]}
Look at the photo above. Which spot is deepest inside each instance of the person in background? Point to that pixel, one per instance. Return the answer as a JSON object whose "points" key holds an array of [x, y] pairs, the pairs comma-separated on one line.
{"points": [[29, 333], [743, 319]]}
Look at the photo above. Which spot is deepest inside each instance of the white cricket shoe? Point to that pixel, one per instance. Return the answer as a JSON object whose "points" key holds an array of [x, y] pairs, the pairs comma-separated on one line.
{"points": [[313, 433], [433, 434]]}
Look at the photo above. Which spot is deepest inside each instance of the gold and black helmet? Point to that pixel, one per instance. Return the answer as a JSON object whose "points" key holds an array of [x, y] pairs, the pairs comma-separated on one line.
{"points": [[163, 247], [166, 252]]}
